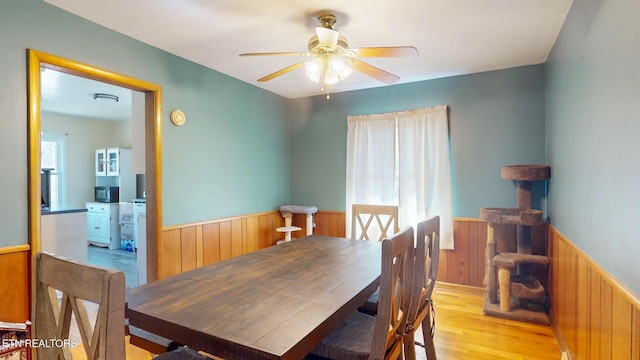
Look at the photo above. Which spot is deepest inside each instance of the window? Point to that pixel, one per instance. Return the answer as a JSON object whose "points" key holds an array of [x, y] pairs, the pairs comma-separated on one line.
{"points": [[402, 159], [53, 156]]}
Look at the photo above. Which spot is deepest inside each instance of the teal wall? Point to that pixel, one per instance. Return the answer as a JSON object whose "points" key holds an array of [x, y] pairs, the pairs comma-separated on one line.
{"points": [[230, 158], [496, 118], [593, 133]]}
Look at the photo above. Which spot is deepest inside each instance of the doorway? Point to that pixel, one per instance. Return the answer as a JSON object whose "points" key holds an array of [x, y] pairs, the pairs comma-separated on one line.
{"points": [[79, 119], [152, 140]]}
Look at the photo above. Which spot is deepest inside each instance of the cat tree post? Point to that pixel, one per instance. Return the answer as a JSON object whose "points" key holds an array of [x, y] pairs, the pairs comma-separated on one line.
{"points": [[490, 273]]}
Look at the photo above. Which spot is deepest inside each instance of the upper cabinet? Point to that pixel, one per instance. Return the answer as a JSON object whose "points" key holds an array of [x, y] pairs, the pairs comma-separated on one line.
{"points": [[109, 161], [113, 168]]}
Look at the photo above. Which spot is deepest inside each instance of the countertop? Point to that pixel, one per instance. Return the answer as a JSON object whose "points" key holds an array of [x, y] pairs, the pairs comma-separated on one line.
{"points": [[63, 210]]}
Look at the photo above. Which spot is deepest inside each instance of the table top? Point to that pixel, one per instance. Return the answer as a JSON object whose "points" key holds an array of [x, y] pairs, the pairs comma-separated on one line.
{"points": [[275, 303]]}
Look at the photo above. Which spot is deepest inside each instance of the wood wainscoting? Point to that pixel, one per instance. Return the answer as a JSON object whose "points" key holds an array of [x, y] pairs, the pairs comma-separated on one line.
{"points": [[595, 316], [465, 265], [185, 247], [188, 246], [14, 283]]}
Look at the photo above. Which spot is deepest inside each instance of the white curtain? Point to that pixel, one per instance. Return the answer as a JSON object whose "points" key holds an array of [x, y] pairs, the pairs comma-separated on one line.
{"points": [[420, 183], [425, 170], [370, 161]]}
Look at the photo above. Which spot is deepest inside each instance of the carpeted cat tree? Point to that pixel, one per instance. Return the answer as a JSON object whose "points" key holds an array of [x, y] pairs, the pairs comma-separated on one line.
{"points": [[508, 275]]}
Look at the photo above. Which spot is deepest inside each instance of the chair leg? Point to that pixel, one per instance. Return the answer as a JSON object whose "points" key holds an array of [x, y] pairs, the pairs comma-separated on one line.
{"points": [[429, 345], [410, 346]]}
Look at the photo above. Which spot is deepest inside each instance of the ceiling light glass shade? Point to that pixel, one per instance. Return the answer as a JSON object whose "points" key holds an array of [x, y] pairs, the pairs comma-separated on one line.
{"points": [[336, 66], [329, 68], [313, 69], [331, 79]]}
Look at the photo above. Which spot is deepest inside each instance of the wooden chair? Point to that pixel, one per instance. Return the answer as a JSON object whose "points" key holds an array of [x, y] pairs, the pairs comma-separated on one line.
{"points": [[426, 269], [386, 219], [363, 336], [79, 283]]}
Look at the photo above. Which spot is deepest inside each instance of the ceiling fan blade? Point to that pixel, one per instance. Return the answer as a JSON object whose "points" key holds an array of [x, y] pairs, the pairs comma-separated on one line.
{"points": [[391, 51], [286, 53], [374, 72], [281, 72]]}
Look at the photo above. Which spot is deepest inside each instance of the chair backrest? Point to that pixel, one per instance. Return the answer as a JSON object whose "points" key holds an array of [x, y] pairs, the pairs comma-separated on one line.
{"points": [[425, 269], [395, 295], [430, 231], [363, 226], [76, 283]]}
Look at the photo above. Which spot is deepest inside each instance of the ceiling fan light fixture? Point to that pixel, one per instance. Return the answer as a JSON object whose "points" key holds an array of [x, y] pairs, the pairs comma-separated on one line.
{"points": [[105, 97], [331, 79], [313, 69], [332, 59], [338, 67], [328, 69]]}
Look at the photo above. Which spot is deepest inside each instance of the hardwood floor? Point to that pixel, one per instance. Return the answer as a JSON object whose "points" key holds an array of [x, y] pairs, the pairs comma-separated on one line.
{"points": [[116, 259], [463, 332]]}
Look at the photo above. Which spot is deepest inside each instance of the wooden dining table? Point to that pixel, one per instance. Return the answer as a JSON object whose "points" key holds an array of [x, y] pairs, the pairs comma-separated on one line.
{"points": [[275, 303]]}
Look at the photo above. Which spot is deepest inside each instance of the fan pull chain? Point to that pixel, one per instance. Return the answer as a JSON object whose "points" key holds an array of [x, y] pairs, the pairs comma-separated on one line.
{"points": [[326, 88]]}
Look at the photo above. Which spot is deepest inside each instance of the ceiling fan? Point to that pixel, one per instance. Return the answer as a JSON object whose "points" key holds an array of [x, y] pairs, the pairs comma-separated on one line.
{"points": [[333, 60]]}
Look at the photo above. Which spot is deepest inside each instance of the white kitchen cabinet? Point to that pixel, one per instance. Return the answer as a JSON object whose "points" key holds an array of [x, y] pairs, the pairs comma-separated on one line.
{"points": [[109, 161], [114, 168], [102, 225]]}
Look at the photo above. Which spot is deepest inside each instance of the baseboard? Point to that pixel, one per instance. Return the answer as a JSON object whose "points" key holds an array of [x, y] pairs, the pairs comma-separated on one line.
{"points": [[562, 344]]}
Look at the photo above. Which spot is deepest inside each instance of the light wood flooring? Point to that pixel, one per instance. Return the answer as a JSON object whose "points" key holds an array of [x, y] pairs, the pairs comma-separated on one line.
{"points": [[463, 332]]}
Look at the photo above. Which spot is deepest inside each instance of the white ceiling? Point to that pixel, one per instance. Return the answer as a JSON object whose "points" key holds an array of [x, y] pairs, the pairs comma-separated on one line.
{"points": [[73, 95], [453, 37]]}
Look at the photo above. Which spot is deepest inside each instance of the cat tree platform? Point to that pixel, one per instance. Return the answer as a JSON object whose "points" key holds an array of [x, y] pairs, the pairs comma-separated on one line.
{"points": [[512, 216]]}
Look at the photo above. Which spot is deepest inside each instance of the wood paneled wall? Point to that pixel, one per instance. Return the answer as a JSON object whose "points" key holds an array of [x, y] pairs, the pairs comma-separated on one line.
{"points": [[14, 283], [465, 264], [596, 316], [185, 247]]}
